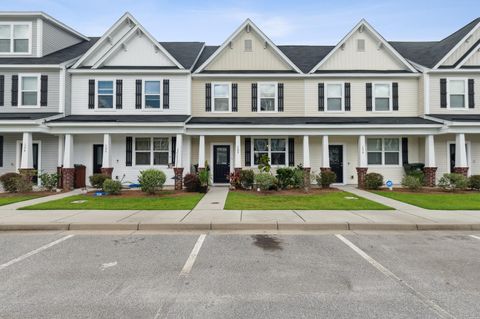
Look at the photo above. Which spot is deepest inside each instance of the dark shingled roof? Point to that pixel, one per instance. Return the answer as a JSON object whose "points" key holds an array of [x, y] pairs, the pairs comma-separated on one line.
{"points": [[305, 57], [151, 118], [57, 57], [457, 117], [429, 53], [208, 50], [185, 53], [25, 116], [310, 120]]}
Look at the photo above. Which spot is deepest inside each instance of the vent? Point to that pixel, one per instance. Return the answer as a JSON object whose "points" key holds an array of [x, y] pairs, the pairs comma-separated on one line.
{"points": [[248, 45], [361, 45]]}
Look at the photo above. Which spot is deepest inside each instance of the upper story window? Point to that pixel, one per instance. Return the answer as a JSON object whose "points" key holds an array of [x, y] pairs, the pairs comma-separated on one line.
{"points": [[457, 92], [334, 97], [382, 97], [150, 150], [274, 148], [105, 94], [15, 37], [152, 95], [221, 97], [383, 151], [267, 97], [29, 90]]}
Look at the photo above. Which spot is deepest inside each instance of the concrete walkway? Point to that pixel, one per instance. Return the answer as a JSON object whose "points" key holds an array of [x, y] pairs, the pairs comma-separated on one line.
{"points": [[214, 199], [40, 200]]}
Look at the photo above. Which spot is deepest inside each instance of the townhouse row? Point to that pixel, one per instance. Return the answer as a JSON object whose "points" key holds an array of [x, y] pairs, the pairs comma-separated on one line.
{"points": [[124, 102]]}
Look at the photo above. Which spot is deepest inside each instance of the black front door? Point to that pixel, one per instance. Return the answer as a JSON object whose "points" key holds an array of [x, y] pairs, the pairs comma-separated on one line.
{"points": [[97, 158], [452, 155], [336, 161], [35, 162], [221, 163]]}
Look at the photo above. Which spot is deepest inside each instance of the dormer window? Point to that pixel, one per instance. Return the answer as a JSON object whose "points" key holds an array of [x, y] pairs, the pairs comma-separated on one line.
{"points": [[15, 38]]}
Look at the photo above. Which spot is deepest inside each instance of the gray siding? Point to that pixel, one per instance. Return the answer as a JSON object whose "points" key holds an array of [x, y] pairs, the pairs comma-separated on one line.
{"points": [[53, 91], [55, 39]]}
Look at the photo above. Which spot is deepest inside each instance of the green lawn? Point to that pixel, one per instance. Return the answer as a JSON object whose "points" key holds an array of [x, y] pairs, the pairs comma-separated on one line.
{"points": [[447, 201], [322, 201], [162, 202], [5, 200]]}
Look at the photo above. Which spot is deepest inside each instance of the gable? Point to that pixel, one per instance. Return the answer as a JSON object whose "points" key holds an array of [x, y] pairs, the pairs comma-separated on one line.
{"points": [[473, 60], [376, 55], [234, 56], [55, 39], [462, 49], [138, 50]]}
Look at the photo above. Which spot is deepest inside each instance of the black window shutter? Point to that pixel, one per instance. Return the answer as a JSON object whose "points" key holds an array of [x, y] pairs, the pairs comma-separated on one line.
{"points": [[395, 95], [254, 97], [91, 94], [404, 150], [128, 153], [166, 94], [248, 150], [291, 151], [2, 90], [138, 94], [369, 96], [321, 97], [234, 97], [348, 104], [280, 97], [14, 90], [208, 97], [443, 93], [44, 90], [471, 93], [174, 149], [119, 94], [1, 151]]}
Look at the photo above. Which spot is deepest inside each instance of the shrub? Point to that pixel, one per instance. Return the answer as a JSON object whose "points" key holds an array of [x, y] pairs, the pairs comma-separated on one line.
{"points": [[24, 183], [412, 183], [247, 178], [326, 178], [373, 181], [453, 182], [285, 177], [474, 182], [112, 187], [97, 180], [265, 181], [413, 168], [264, 164], [9, 182], [191, 182], [234, 179], [204, 178], [49, 181], [298, 177], [151, 180]]}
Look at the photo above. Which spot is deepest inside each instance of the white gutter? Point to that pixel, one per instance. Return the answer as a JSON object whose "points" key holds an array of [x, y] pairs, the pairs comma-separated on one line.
{"points": [[312, 75], [127, 71]]}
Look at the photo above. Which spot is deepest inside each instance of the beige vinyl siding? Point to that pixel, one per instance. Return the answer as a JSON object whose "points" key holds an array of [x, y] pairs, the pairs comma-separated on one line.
{"points": [[462, 49], [55, 39], [262, 57], [474, 60], [373, 58], [435, 93], [408, 91], [442, 153], [53, 91]]}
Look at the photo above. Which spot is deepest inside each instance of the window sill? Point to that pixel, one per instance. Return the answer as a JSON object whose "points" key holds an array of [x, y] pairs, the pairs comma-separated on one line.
{"points": [[28, 106], [384, 166]]}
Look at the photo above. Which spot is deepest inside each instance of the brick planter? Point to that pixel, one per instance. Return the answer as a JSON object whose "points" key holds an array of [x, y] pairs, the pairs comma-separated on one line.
{"points": [[178, 171], [306, 178], [107, 171], [325, 169], [461, 170], [60, 179], [68, 178], [430, 176], [361, 173]]}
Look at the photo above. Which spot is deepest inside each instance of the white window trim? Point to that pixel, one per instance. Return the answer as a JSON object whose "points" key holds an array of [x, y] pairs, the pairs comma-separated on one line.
{"points": [[342, 90], [252, 147], [30, 38], [20, 90], [390, 99], [465, 106], [400, 159], [259, 97], [229, 97], [113, 109], [134, 157], [143, 95]]}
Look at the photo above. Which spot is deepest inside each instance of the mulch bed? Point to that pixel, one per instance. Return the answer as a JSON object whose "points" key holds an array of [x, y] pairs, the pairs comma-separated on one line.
{"points": [[138, 193], [429, 190], [294, 191]]}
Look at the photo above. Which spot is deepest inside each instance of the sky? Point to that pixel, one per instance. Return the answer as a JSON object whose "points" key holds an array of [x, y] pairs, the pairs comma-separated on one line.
{"points": [[285, 22]]}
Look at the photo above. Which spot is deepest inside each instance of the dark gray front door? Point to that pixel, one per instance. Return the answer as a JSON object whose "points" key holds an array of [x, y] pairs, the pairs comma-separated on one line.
{"points": [[221, 163], [97, 158], [336, 161]]}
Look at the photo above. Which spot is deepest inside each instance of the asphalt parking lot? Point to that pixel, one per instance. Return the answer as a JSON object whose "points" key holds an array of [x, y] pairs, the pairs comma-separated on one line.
{"points": [[278, 275]]}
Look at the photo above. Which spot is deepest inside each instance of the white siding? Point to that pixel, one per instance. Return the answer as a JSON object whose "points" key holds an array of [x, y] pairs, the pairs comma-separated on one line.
{"points": [[55, 39]]}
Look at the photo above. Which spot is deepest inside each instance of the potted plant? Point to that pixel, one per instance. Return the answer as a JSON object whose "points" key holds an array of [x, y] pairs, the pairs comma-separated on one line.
{"points": [[204, 178]]}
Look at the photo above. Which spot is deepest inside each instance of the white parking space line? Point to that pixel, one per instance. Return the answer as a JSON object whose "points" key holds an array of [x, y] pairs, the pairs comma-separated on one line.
{"points": [[476, 237], [426, 301], [193, 255], [33, 252]]}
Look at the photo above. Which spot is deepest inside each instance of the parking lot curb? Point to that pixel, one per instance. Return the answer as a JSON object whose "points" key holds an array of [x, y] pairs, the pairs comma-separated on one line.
{"points": [[91, 226], [38, 226], [175, 226]]}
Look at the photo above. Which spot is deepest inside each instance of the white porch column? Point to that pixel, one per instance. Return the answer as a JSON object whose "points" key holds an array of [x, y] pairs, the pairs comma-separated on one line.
{"points": [[60, 150], [429, 151], [68, 153], [238, 152], [460, 151], [179, 151], [306, 151], [201, 152], [362, 151], [107, 152], [27, 153], [325, 152]]}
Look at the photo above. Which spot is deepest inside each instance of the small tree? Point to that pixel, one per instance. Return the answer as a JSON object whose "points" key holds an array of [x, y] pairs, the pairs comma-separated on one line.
{"points": [[264, 164]]}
